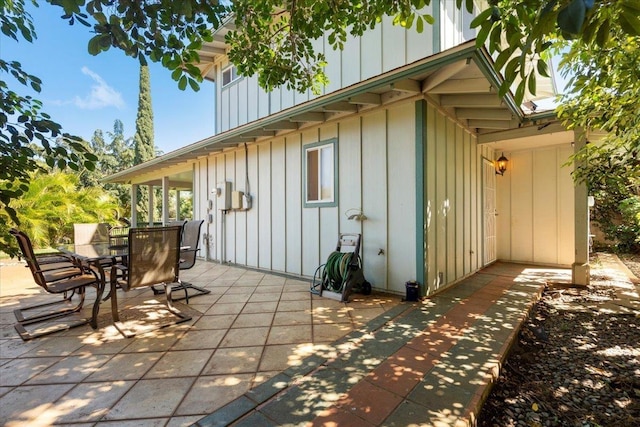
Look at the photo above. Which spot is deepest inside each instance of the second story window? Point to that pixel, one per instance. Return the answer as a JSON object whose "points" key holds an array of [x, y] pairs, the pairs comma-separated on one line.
{"points": [[229, 75]]}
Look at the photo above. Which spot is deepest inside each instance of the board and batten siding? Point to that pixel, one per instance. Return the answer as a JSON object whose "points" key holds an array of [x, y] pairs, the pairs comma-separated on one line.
{"points": [[452, 200], [376, 173], [377, 51], [536, 207]]}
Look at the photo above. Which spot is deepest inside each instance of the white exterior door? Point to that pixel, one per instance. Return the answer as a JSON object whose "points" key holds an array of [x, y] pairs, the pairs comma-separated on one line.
{"points": [[489, 192]]}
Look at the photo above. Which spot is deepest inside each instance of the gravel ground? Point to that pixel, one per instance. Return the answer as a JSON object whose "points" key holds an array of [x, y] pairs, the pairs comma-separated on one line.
{"points": [[576, 363]]}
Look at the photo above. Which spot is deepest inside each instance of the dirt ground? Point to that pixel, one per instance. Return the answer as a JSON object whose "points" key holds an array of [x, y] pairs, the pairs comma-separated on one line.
{"points": [[577, 360]]}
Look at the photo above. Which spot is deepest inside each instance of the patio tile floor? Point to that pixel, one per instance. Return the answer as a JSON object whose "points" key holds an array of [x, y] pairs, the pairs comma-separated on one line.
{"points": [[250, 328], [261, 350]]}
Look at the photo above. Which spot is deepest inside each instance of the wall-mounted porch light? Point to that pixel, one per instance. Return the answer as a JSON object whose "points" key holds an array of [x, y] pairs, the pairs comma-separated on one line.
{"points": [[501, 165]]}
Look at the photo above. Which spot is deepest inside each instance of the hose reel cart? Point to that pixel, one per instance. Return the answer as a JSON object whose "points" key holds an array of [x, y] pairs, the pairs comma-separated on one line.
{"points": [[342, 273]]}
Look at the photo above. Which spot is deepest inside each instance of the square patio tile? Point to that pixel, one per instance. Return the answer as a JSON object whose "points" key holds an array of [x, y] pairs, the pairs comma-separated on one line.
{"points": [[54, 345], [281, 357], [294, 295], [234, 360], [129, 366], [268, 288], [226, 308], [330, 332], [245, 337], [209, 393], [292, 318], [183, 363], [154, 341], [24, 405], [220, 321], [17, 371], [90, 401], [71, 369], [230, 298], [289, 334], [151, 398], [200, 339], [264, 297], [296, 305], [249, 320], [261, 307]]}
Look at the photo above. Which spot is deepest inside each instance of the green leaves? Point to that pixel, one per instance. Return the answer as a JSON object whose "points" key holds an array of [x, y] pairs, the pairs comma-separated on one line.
{"points": [[571, 17]]}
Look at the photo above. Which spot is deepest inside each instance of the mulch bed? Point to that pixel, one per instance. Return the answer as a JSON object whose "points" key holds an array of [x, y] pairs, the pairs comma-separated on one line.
{"points": [[576, 363]]}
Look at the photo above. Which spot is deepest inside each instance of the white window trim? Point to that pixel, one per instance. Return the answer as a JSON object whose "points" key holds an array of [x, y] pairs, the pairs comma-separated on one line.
{"points": [[234, 75], [318, 146]]}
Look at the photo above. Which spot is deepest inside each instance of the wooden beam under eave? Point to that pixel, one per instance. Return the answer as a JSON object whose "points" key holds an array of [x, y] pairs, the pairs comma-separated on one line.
{"points": [[470, 101], [237, 140], [259, 133], [442, 75], [218, 38], [281, 126], [211, 50], [523, 132], [483, 113], [408, 85], [366, 99], [459, 86], [341, 107], [205, 67], [308, 117], [492, 124]]}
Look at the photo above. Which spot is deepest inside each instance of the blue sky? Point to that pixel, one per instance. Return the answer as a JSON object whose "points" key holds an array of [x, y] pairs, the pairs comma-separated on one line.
{"points": [[84, 92]]}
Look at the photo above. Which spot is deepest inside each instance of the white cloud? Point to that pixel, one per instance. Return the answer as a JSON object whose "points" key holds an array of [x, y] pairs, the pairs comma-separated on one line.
{"points": [[102, 95]]}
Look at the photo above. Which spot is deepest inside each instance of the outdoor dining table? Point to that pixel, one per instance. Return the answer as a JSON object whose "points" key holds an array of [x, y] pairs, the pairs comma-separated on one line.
{"points": [[94, 255]]}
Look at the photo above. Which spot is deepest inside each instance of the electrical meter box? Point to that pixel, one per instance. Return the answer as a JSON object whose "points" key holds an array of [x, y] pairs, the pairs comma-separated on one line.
{"points": [[224, 195], [236, 200]]}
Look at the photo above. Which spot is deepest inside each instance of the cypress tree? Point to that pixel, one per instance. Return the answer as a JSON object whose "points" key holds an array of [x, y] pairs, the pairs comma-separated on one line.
{"points": [[144, 148], [143, 140]]}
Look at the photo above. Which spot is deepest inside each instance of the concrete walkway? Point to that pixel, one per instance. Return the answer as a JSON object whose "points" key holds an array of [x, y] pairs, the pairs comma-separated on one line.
{"points": [[262, 351]]}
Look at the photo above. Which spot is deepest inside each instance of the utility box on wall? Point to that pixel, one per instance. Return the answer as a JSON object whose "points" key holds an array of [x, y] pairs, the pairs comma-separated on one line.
{"points": [[224, 195], [236, 199]]}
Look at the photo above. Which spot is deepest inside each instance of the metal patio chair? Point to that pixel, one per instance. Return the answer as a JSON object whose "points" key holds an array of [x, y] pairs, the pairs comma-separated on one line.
{"points": [[154, 258], [67, 281], [92, 233], [88, 233], [191, 242]]}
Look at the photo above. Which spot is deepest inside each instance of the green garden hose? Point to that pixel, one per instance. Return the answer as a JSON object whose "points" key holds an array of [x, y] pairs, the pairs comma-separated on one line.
{"points": [[336, 271]]}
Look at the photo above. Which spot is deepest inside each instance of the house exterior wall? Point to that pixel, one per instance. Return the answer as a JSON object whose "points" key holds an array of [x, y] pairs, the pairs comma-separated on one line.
{"points": [[536, 207], [376, 169], [415, 229], [452, 200], [379, 50]]}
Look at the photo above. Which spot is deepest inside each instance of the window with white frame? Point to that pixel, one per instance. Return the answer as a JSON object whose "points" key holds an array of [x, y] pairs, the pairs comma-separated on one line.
{"points": [[320, 161], [229, 75]]}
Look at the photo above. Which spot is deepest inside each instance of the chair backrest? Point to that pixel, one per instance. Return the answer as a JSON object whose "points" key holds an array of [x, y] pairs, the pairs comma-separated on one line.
{"points": [[28, 254], [190, 238], [154, 256], [119, 235], [88, 233], [176, 223]]}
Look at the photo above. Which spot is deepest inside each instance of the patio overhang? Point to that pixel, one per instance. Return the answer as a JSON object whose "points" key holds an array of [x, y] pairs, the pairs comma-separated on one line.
{"points": [[461, 82]]}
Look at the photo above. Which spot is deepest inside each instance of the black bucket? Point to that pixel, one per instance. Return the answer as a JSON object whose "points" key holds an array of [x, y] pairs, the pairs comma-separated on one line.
{"points": [[413, 290]]}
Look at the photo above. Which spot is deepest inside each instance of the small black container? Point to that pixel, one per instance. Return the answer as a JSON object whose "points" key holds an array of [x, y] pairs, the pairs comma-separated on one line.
{"points": [[413, 290]]}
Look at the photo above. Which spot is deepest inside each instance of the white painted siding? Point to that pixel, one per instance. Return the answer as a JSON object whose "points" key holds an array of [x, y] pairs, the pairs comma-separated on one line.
{"points": [[376, 161], [455, 23], [381, 49], [536, 208], [452, 205]]}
